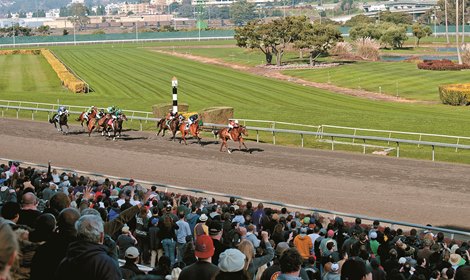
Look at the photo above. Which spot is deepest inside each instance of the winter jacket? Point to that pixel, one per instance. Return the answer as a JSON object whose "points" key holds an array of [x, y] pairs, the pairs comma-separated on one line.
{"points": [[87, 260], [304, 245]]}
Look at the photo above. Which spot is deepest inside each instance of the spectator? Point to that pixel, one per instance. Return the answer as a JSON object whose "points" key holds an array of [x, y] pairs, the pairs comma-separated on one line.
{"points": [[130, 269], [356, 228], [333, 273], [162, 269], [377, 272], [167, 235], [355, 269], [142, 234], [11, 213], [89, 252], [29, 211], [231, 266], [125, 241], [49, 191], [181, 234], [201, 228], [215, 232], [9, 249], [203, 268], [251, 235], [303, 243], [258, 215], [49, 255], [156, 248], [290, 263], [252, 264]]}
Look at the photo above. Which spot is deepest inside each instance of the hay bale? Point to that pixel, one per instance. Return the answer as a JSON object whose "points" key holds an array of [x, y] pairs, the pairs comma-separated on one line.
{"points": [[160, 110], [218, 115]]}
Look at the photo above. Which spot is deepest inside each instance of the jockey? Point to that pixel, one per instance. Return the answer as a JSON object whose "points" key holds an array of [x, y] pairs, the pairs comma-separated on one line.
{"points": [[191, 120], [60, 112], [100, 114], [232, 124], [117, 112], [170, 116], [88, 112], [111, 109]]}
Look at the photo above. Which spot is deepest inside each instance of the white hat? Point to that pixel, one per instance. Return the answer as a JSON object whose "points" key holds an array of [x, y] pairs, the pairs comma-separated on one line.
{"points": [[373, 235], [231, 260], [402, 260], [334, 267], [236, 121], [203, 218], [132, 253]]}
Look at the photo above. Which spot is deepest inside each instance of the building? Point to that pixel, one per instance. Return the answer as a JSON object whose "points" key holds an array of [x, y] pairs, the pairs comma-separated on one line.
{"points": [[400, 6]]}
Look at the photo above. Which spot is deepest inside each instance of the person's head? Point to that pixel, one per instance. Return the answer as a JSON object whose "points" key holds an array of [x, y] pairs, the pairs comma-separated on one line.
{"points": [[59, 201], [66, 221], [29, 200], [354, 269], [11, 211], [231, 260], [90, 228], [131, 255], [251, 228], [44, 226], [463, 273], [246, 247], [358, 221], [8, 249], [204, 247], [290, 261], [450, 273]]}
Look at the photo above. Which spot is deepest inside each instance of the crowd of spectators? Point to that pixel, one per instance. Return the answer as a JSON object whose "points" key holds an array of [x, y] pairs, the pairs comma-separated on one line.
{"points": [[65, 226]]}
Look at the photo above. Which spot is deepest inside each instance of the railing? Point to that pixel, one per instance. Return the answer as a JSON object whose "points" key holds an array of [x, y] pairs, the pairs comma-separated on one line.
{"points": [[275, 203], [390, 132], [120, 41], [274, 131]]}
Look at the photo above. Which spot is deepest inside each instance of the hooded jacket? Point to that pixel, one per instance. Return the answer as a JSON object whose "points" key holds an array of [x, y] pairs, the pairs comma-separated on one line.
{"points": [[304, 245], [87, 260]]}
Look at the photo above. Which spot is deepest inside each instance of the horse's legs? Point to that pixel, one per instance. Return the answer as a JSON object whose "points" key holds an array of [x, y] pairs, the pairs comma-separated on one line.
{"points": [[243, 142], [67, 128]]}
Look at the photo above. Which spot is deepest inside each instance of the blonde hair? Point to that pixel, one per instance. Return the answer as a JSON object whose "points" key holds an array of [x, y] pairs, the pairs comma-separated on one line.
{"points": [[246, 247], [8, 244]]}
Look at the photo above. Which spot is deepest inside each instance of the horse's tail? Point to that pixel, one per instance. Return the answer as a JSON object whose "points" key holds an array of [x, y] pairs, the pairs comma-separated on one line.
{"points": [[51, 120]]}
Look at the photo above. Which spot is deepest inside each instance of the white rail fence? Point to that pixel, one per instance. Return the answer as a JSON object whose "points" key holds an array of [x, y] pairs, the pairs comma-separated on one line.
{"points": [[142, 116]]}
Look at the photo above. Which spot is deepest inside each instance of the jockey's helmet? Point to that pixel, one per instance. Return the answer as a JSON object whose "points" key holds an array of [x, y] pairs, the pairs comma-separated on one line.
{"points": [[236, 121]]}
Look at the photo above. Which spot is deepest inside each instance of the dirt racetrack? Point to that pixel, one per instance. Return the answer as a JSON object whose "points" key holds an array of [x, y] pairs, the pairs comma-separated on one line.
{"points": [[398, 189]]}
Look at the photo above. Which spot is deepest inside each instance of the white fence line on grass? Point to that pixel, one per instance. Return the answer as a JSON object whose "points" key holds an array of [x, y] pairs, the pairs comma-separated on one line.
{"points": [[275, 203]]}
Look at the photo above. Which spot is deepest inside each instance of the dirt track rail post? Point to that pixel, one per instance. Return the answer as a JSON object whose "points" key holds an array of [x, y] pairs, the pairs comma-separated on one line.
{"points": [[302, 139], [398, 149]]}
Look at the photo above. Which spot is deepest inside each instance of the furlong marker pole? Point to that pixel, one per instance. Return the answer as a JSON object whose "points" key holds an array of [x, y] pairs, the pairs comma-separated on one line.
{"points": [[174, 84]]}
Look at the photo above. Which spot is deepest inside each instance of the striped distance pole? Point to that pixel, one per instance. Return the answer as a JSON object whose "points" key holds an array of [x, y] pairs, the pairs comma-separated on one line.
{"points": [[174, 85]]}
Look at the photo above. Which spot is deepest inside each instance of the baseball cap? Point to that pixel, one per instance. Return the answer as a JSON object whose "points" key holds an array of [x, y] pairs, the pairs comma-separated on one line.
{"points": [[132, 253], [231, 260], [204, 247], [203, 218]]}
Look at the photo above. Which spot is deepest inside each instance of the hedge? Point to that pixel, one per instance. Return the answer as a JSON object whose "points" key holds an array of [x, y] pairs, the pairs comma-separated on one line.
{"points": [[441, 65], [68, 79], [455, 94]]}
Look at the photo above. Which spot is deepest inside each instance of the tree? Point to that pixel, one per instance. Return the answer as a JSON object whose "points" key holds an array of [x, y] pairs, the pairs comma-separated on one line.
{"points": [[253, 36], [421, 31], [22, 14], [242, 12], [44, 29], [397, 18], [63, 12], [359, 20], [393, 35], [40, 13], [362, 31], [78, 15], [318, 39]]}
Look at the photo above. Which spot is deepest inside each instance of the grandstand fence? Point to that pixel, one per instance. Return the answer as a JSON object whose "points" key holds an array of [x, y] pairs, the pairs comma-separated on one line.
{"points": [[145, 117], [198, 192]]}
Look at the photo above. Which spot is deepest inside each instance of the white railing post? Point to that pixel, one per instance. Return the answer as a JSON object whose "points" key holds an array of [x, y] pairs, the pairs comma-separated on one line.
{"points": [[17, 113], [146, 117], [389, 137], [140, 121], [432, 152], [364, 150], [274, 138], [32, 115], [354, 135], [257, 136], [420, 137], [398, 149], [133, 113], [302, 139], [332, 143], [458, 141]]}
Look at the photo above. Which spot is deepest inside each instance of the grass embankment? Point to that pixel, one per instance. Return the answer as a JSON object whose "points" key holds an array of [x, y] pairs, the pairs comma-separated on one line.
{"points": [[137, 78]]}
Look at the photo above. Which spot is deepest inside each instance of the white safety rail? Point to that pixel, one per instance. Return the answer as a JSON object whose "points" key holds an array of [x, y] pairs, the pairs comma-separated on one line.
{"points": [[302, 133], [198, 192], [389, 133]]}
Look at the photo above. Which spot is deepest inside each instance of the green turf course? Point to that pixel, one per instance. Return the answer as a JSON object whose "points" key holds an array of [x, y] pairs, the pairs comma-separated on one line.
{"points": [[412, 82], [27, 75], [137, 78]]}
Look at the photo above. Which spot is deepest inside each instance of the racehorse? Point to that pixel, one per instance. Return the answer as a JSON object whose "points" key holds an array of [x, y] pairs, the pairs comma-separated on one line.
{"points": [[62, 121], [93, 121], [116, 126], [173, 126], [237, 136], [193, 129], [82, 118]]}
